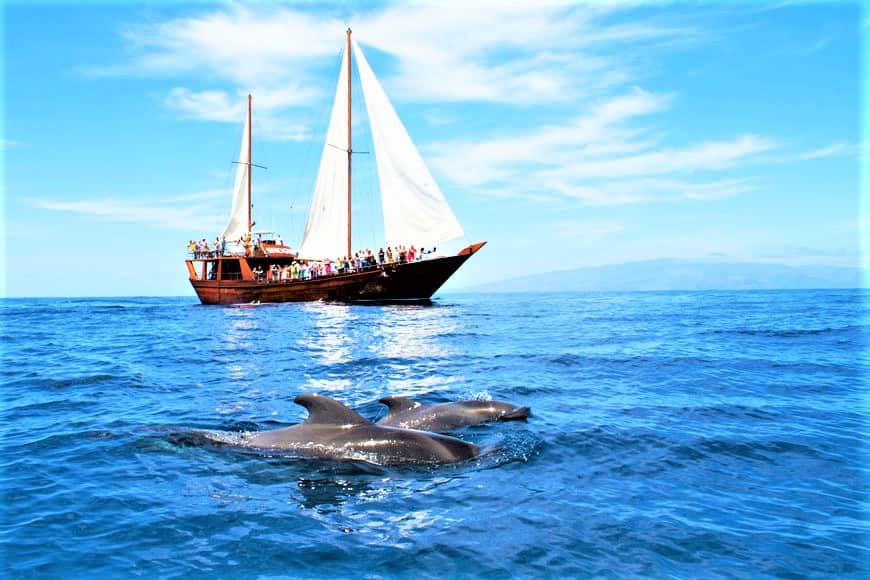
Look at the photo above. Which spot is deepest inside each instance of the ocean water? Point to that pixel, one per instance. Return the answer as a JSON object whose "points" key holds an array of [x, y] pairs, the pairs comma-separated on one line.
{"points": [[705, 434]]}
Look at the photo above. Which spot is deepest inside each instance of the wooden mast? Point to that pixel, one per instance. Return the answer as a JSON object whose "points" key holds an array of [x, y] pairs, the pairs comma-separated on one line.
{"points": [[349, 146], [250, 164]]}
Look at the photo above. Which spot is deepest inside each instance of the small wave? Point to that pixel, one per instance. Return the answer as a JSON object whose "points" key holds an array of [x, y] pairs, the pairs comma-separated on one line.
{"points": [[248, 426], [521, 446], [62, 384], [65, 441], [82, 380], [205, 438], [51, 407], [569, 360], [782, 333], [719, 412], [764, 451]]}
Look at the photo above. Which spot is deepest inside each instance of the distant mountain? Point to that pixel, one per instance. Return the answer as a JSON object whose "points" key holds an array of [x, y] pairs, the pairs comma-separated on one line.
{"points": [[681, 275]]}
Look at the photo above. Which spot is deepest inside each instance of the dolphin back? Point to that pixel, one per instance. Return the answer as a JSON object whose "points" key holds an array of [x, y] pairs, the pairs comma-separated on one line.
{"points": [[450, 416], [398, 446], [326, 410], [397, 405]]}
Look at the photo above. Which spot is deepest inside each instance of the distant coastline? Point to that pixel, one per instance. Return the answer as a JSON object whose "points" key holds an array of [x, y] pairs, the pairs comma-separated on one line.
{"points": [[680, 275], [664, 275]]}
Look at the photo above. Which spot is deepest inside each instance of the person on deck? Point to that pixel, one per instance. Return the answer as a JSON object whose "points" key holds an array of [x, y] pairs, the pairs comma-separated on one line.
{"points": [[246, 239]]}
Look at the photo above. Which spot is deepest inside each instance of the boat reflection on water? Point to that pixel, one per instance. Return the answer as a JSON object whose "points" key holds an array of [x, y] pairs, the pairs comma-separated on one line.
{"points": [[330, 337], [416, 343], [328, 340], [243, 323], [415, 332]]}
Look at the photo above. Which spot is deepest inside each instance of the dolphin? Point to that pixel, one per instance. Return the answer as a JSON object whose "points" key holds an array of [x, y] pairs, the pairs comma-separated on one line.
{"points": [[334, 431], [410, 414]]}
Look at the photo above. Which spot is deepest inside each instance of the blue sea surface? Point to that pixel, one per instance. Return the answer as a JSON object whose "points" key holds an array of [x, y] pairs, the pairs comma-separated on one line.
{"points": [[685, 434]]}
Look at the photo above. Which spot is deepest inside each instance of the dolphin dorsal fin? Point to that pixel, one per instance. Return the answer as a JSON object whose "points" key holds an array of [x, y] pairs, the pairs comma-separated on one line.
{"points": [[323, 409], [399, 404]]}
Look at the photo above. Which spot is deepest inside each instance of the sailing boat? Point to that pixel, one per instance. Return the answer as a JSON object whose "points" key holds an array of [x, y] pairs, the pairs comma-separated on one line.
{"points": [[415, 213]]}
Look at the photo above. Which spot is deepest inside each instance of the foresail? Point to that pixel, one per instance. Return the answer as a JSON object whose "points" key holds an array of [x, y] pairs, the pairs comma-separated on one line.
{"points": [[326, 230], [415, 211], [238, 224]]}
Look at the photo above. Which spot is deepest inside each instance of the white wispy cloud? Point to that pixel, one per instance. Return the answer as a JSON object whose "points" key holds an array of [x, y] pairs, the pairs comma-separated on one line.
{"points": [[623, 192], [832, 150], [479, 51], [246, 45], [206, 105], [185, 212], [601, 130], [707, 156], [510, 53], [269, 122], [609, 147], [579, 231], [601, 158]]}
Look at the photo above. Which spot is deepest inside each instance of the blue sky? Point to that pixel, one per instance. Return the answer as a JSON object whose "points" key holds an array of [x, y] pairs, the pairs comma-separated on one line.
{"points": [[564, 135]]}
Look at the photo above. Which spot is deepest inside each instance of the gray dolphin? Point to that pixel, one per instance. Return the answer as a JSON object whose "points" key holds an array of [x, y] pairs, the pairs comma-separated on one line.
{"points": [[410, 414], [333, 431]]}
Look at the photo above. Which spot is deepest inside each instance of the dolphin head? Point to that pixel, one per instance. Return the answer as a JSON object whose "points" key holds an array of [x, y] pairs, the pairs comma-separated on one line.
{"points": [[506, 411]]}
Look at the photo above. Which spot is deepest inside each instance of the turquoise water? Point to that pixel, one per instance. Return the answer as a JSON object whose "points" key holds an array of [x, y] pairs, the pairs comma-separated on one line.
{"points": [[686, 434]]}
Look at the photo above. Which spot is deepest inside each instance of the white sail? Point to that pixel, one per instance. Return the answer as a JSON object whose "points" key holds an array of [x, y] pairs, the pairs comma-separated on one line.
{"points": [[238, 224], [326, 230], [415, 211]]}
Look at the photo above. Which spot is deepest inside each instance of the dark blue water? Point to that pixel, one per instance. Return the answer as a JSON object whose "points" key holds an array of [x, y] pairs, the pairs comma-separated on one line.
{"points": [[685, 434]]}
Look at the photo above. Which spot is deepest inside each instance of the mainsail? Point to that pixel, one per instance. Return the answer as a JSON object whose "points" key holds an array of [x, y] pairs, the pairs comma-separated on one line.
{"points": [[238, 224], [326, 230], [415, 211]]}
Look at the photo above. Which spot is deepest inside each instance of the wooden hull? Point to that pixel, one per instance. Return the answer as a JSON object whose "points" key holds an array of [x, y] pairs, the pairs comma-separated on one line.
{"points": [[411, 281], [334, 288], [414, 281]]}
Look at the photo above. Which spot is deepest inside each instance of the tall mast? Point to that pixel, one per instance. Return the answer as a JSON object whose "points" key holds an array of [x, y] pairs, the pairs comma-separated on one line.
{"points": [[349, 146], [250, 164]]}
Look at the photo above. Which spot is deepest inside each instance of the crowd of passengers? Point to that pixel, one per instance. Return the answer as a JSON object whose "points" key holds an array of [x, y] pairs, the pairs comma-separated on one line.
{"points": [[361, 260], [308, 269], [199, 249]]}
